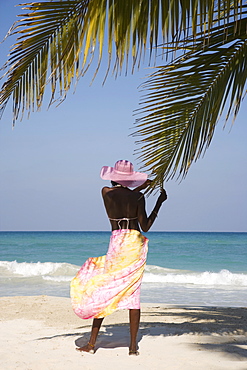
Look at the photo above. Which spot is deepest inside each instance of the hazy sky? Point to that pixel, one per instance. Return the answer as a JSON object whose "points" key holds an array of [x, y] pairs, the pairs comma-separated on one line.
{"points": [[50, 163]]}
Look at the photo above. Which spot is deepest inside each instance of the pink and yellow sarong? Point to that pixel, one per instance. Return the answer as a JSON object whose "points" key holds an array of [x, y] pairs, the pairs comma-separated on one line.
{"points": [[107, 283]]}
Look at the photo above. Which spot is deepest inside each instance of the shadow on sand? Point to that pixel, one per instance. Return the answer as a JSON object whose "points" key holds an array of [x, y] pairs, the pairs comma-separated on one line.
{"points": [[224, 329]]}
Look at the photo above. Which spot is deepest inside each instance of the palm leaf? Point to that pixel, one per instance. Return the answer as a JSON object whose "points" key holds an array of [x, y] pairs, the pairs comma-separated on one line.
{"points": [[186, 99], [48, 36], [53, 34]]}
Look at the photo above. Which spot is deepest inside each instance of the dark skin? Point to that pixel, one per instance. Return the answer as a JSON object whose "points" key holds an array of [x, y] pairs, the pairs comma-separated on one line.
{"points": [[122, 202]]}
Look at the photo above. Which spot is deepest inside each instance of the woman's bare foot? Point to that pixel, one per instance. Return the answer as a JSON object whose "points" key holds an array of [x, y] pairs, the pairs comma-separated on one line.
{"points": [[133, 351], [87, 348]]}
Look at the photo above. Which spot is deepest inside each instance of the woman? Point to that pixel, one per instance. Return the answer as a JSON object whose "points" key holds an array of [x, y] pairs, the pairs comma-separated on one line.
{"points": [[104, 284]]}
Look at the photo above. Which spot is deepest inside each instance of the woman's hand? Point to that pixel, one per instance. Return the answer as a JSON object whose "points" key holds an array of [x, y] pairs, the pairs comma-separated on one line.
{"points": [[162, 196], [144, 185]]}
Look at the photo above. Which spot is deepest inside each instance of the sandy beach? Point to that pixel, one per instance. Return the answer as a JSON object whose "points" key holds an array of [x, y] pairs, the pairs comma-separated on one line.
{"points": [[42, 332]]}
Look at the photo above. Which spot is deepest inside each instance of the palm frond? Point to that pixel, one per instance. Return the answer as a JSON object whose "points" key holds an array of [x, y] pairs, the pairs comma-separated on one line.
{"points": [[186, 99], [48, 37], [54, 34]]}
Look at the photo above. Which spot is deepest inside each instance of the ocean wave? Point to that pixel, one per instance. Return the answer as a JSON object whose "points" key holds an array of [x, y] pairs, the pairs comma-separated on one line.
{"points": [[57, 279], [156, 274], [26, 269], [64, 272]]}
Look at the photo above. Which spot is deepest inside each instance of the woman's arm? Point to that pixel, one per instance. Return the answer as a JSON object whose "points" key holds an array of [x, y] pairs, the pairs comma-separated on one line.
{"points": [[144, 221]]}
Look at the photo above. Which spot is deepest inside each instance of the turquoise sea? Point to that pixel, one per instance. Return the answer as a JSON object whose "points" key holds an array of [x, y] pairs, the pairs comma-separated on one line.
{"points": [[184, 268]]}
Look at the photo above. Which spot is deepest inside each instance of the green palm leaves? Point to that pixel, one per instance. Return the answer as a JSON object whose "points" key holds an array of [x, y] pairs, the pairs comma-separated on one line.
{"points": [[186, 98], [47, 43], [58, 40]]}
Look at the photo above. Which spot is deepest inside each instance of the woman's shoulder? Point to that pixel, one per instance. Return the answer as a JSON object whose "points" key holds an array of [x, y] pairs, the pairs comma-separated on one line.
{"points": [[105, 189], [131, 193]]}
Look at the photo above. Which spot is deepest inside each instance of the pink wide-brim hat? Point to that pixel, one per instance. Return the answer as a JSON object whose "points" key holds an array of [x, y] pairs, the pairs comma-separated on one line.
{"points": [[123, 173]]}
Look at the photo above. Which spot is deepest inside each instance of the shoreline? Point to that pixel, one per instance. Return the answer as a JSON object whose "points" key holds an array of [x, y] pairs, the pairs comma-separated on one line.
{"points": [[41, 332]]}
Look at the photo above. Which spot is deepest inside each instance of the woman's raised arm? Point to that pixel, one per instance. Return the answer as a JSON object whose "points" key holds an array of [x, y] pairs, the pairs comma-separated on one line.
{"points": [[144, 221]]}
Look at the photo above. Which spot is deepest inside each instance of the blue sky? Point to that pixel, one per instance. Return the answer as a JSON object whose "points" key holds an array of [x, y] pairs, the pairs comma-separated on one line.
{"points": [[50, 163]]}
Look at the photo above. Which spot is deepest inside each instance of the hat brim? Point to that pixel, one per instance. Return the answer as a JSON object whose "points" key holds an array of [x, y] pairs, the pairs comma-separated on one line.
{"points": [[130, 180]]}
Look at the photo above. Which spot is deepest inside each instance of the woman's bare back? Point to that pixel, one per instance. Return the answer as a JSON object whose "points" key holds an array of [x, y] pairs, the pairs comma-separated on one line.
{"points": [[122, 203]]}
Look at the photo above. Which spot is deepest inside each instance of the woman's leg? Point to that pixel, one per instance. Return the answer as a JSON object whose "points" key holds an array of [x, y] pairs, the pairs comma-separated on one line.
{"points": [[134, 316], [94, 334]]}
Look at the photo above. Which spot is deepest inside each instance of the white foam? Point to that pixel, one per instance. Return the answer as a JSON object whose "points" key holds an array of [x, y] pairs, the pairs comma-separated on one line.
{"points": [[64, 272], [37, 269], [207, 278], [57, 279]]}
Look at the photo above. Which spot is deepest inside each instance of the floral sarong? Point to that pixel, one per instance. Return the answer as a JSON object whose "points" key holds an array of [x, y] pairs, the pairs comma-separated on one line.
{"points": [[107, 283]]}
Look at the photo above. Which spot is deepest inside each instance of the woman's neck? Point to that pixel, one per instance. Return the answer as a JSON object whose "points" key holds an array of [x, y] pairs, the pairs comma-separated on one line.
{"points": [[119, 186]]}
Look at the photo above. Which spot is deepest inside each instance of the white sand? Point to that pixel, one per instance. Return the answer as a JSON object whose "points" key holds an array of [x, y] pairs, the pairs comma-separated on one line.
{"points": [[42, 333]]}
